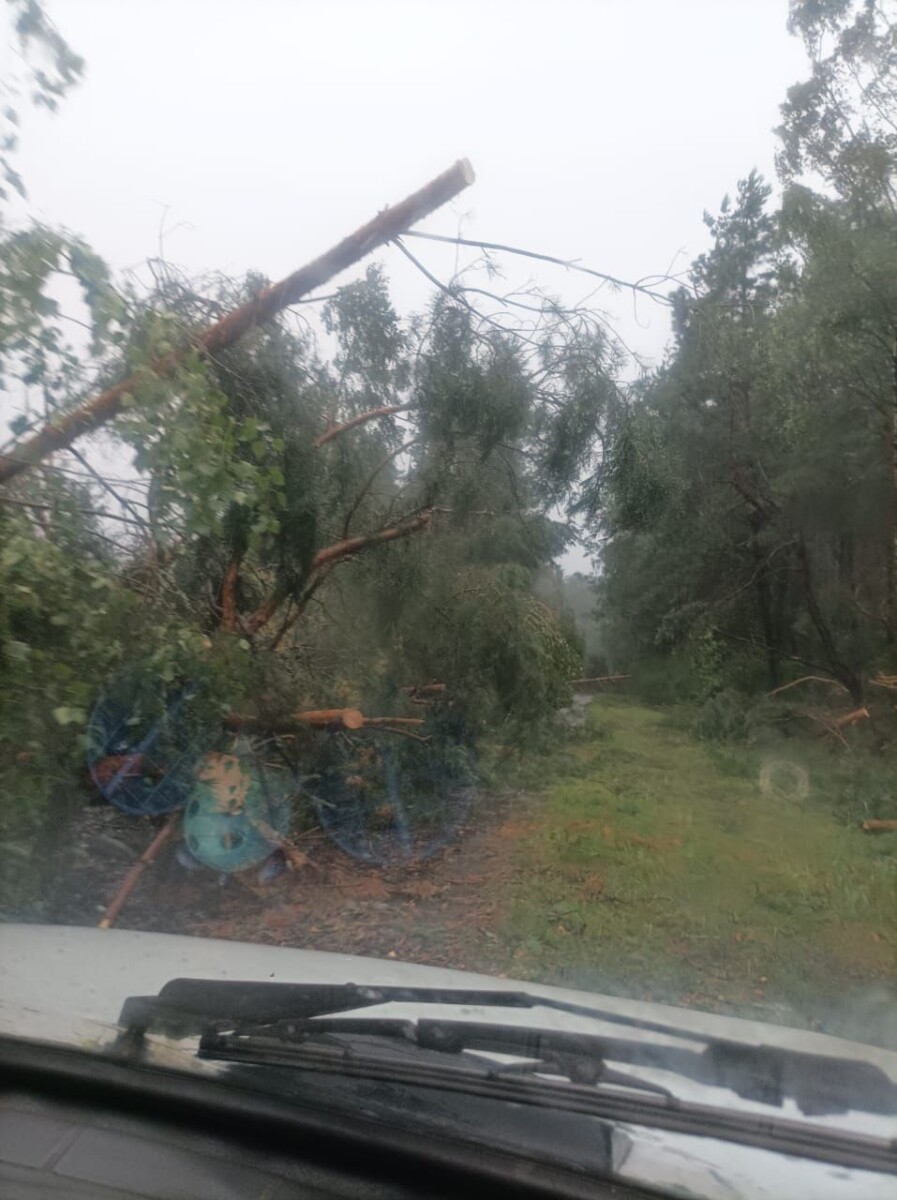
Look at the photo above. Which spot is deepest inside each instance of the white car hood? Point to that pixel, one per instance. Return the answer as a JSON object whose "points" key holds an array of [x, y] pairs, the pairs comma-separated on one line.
{"points": [[67, 984]]}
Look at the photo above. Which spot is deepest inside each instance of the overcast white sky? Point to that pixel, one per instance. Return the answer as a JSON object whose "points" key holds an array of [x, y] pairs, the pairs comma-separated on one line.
{"points": [[599, 129], [262, 131]]}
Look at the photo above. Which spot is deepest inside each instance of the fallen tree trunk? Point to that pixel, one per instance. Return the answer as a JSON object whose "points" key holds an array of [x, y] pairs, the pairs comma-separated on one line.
{"points": [[879, 827], [598, 679], [322, 718], [147, 858], [851, 718], [387, 225]]}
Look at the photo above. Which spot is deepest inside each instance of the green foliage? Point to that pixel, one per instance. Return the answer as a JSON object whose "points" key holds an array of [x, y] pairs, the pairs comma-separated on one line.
{"points": [[839, 122], [642, 477], [49, 69], [733, 716], [750, 506], [236, 504]]}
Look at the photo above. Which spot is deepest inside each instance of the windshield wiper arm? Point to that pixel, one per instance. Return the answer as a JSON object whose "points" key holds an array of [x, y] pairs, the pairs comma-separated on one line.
{"points": [[183, 1001], [819, 1084]]}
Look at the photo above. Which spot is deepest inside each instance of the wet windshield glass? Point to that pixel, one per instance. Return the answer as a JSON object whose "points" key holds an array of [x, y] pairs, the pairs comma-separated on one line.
{"points": [[484, 563]]}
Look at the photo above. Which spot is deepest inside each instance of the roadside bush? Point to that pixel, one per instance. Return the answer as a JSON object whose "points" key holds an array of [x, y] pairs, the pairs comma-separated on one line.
{"points": [[733, 716], [667, 679], [865, 790]]}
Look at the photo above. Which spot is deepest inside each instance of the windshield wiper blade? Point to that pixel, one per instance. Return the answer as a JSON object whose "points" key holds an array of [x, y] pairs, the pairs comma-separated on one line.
{"points": [[569, 1056], [360, 1047], [819, 1084]]}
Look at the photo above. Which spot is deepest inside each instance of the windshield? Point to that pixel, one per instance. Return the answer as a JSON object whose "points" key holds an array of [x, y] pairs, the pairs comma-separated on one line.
{"points": [[484, 563]]}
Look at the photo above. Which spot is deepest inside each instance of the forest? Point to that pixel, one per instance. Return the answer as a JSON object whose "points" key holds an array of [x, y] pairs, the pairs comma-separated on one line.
{"points": [[349, 512]]}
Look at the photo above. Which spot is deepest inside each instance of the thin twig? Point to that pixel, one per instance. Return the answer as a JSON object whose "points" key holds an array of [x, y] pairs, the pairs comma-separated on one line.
{"points": [[104, 483], [365, 487], [570, 265], [87, 512], [415, 737]]}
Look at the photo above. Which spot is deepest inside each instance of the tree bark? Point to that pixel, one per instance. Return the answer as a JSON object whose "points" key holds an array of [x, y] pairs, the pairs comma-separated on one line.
{"points": [[891, 560], [362, 419], [332, 554], [230, 620], [839, 668], [386, 226], [321, 718], [348, 546], [874, 826], [767, 620]]}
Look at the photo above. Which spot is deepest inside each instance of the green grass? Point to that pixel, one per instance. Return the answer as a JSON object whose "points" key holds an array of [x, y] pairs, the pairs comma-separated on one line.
{"points": [[659, 867]]}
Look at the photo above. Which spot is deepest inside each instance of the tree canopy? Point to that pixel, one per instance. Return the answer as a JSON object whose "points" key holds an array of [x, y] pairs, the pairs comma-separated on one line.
{"points": [[751, 512]]}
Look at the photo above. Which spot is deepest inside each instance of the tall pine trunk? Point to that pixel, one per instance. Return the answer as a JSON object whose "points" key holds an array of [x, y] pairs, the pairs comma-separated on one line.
{"points": [[891, 554]]}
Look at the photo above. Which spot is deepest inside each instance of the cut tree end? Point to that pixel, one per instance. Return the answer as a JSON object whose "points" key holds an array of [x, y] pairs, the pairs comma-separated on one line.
{"points": [[466, 171]]}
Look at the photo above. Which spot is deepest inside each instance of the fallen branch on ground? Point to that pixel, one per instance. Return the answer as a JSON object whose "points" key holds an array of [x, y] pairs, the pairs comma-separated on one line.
{"points": [[835, 725], [393, 721], [296, 858], [879, 826], [415, 737], [851, 718], [599, 679], [147, 858], [807, 679]]}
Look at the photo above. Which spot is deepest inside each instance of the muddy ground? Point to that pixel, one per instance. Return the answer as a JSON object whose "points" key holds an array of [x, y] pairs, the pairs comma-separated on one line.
{"points": [[443, 911]]}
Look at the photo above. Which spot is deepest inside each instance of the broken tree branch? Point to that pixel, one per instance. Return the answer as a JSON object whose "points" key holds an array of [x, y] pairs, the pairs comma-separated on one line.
{"points": [[828, 726], [107, 486], [879, 827], [385, 227], [302, 604], [352, 545], [147, 858], [406, 733], [42, 506], [852, 718], [365, 487], [335, 553], [568, 264], [807, 679], [598, 679], [386, 721], [230, 617], [362, 419]]}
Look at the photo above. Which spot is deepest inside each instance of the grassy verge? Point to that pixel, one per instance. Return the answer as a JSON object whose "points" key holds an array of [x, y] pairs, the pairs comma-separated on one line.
{"points": [[662, 867]]}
